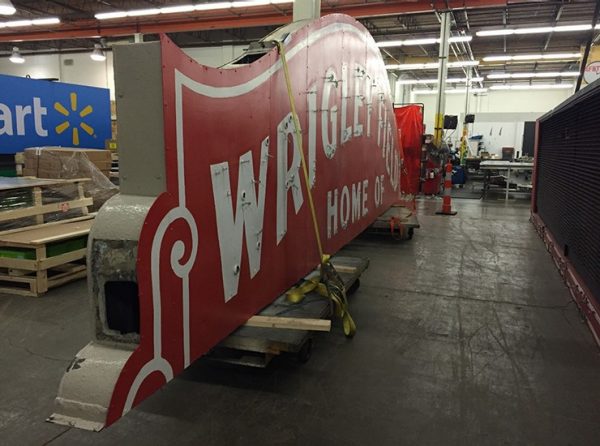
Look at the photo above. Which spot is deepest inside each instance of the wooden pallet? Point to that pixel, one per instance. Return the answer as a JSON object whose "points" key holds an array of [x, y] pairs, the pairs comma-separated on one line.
{"points": [[29, 264], [285, 327]]}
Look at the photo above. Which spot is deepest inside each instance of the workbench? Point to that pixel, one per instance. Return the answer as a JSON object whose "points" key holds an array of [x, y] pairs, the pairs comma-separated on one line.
{"points": [[500, 165]]}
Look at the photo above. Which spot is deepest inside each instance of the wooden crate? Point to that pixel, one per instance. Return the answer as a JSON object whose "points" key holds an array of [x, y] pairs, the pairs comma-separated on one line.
{"points": [[33, 260], [37, 188]]}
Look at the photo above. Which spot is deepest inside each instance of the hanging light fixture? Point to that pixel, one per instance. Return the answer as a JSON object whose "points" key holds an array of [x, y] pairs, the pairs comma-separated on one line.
{"points": [[16, 57], [7, 8], [98, 55]]}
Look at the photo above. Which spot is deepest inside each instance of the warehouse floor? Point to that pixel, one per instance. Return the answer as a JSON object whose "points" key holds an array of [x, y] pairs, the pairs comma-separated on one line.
{"points": [[466, 335]]}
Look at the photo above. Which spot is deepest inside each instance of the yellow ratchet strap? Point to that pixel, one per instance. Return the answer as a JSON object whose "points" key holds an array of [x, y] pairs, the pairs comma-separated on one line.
{"points": [[330, 284]]}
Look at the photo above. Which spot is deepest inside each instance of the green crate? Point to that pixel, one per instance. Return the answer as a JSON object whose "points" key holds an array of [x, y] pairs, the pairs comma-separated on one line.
{"points": [[52, 249], [58, 248], [17, 253]]}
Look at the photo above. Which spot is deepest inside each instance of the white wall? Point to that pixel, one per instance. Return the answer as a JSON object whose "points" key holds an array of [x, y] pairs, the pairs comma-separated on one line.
{"points": [[84, 71], [71, 68], [499, 115], [536, 101], [215, 56]]}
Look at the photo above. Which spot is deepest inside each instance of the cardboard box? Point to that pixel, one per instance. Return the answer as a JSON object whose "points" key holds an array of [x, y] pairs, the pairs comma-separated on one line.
{"points": [[92, 154]]}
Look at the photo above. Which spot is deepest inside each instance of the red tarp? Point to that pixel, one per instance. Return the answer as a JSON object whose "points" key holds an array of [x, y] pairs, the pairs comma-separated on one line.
{"points": [[409, 120]]}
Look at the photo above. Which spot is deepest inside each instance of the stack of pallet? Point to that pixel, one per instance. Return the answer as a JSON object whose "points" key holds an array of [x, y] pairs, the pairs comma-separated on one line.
{"points": [[44, 234]]}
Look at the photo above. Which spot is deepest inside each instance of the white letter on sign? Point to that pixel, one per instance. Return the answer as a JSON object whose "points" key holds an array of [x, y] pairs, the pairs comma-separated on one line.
{"points": [[249, 216], [346, 129], [38, 112], [329, 146], [345, 207], [312, 134], [332, 211], [6, 119], [287, 179], [356, 201]]}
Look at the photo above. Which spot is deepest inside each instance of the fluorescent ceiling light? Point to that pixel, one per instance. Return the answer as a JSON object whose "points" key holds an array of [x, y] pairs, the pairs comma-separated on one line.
{"points": [[18, 23], [24, 23], [450, 80], [7, 8], [532, 75], [532, 87], [212, 6], [414, 42], [431, 65], [411, 42], [249, 3], [570, 28], [551, 56], [177, 9], [48, 21], [98, 55], [452, 91], [536, 30], [111, 15], [16, 57], [188, 8], [521, 57], [143, 12]]}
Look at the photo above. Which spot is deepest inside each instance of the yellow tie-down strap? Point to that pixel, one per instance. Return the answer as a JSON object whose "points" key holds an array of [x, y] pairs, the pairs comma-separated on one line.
{"points": [[330, 284]]}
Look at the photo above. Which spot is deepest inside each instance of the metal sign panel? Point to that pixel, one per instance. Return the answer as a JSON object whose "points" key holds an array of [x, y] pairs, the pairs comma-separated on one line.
{"points": [[37, 113], [233, 229]]}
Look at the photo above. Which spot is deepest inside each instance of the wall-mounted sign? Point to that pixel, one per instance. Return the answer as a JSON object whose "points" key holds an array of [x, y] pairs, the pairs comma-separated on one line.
{"points": [[42, 113], [592, 72]]}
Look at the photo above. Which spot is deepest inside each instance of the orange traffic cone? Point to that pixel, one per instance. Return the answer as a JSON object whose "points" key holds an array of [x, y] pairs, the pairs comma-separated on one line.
{"points": [[447, 200]]}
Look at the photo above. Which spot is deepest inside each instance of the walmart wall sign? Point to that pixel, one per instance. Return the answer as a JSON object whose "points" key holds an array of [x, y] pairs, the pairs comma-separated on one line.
{"points": [[37, 113]]}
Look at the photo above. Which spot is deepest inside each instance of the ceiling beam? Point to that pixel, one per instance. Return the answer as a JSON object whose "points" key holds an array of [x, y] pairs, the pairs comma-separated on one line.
{"points": [[186, 23]]}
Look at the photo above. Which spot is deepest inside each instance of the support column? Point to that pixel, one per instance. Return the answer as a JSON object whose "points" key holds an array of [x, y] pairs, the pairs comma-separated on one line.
{"points": [[464, 143], [307, 10], [440, 105]]}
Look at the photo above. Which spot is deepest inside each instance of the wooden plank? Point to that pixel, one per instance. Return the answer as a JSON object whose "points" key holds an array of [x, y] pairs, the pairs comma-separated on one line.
{"points": [[7, 262], [41, 284], [49, 224], [251, 344], [11, 183], [18, 279], [67, 277], [71, 234], [37, 201], [345, 269], [44, 209], [67, 257], [47, 234], [290, 323], [19, 291], [81, 194]]}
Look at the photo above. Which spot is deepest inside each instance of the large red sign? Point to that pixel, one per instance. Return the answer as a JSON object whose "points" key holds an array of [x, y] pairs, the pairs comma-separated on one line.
{"points": [[233, 230]]}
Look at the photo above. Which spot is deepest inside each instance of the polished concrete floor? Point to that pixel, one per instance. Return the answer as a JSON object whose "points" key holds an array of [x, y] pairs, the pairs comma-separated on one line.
{"points": [[466, 336]]}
